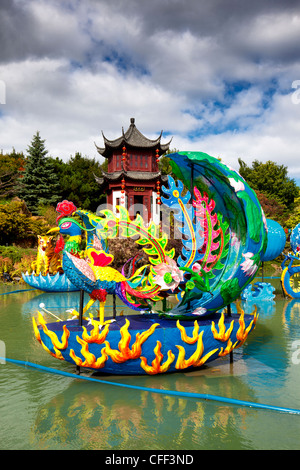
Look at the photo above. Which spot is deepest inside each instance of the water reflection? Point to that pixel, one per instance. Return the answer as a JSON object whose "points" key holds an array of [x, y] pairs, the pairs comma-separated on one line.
{"points": [[266, 308], [269, 345], [58, 301], [103, 417], [291, 314]]}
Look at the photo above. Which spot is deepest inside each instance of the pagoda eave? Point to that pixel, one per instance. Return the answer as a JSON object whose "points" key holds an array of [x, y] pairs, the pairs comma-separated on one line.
{"points": [[107, 150], [132, 139], [128, 175]]}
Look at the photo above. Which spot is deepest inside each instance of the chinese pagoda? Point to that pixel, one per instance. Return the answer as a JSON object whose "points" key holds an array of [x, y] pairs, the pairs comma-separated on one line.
{"points": [[133, 179]]}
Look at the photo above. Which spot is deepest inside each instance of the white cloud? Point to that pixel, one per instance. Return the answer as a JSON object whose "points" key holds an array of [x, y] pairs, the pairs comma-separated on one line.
{"points": [[274, 136], [71, 107], [77, 68]]}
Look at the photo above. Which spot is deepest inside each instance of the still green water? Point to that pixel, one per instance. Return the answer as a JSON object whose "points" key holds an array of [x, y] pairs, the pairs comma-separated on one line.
{"points": [[45, 411]]}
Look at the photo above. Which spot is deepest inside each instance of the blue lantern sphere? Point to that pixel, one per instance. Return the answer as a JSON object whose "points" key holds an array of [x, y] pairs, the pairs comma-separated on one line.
{"points": [[276, 240]]}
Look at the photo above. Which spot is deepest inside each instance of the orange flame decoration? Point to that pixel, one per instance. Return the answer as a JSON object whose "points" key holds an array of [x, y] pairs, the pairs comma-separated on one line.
{"points": [[90, 359], [223, 334], [242, 333], [36, 330], [157, 367], [57, 354], [124, 353], [59, 344], [118, 356], [95, 336], [230, 346], [184, 336], [196, 358]]}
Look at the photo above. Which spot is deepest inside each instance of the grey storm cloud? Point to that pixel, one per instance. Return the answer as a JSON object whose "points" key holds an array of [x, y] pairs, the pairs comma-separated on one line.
{"points": [[78, 29], [216, 75]]}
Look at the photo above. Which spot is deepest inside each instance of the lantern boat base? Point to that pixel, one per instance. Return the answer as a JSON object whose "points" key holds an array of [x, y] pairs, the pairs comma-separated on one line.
{"points": [[144, 344]]}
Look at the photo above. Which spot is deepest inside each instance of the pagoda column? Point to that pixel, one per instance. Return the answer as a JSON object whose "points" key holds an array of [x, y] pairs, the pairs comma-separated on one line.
{"points": [[155, 214], [123, 192]]}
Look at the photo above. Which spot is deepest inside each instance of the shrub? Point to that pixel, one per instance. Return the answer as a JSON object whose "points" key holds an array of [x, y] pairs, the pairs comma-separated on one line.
{"points": [[23, 265], [18, 227], [15, 260]]}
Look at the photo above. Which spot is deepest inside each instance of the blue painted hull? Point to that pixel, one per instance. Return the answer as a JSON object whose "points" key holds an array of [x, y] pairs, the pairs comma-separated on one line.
{"points": [[144, 344]]}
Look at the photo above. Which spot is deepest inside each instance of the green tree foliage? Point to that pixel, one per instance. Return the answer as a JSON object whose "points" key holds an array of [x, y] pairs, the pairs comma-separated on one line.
{"points": [[272, 208], [164, 164], [77, 181], [10, 165], [38, 183], [294, 218], [272, 180], [16, 226]]}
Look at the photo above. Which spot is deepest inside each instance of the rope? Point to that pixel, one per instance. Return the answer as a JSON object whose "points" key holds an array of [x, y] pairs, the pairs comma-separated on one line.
{"points": [[15, 291], [200, 396], [271, 277]]}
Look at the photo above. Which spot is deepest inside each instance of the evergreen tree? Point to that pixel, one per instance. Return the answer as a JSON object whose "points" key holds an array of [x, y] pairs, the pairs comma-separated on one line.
{"points": [[38, 183], [10, 165]]}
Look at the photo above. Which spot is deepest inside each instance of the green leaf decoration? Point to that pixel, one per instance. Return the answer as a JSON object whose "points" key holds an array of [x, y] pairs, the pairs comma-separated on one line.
{"points": [[224, 236], [153, 243], [253, 215], [230, 290]]}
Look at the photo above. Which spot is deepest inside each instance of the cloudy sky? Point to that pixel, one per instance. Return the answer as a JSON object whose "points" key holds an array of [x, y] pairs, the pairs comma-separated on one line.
{"points": [[221, 77]]}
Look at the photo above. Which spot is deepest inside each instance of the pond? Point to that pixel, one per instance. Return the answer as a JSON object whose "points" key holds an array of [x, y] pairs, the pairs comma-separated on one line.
{"points": [[42, 411]]}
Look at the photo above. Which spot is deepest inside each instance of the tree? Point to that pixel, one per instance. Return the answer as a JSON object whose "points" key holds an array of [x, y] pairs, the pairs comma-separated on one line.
{"points": [[294, 218], [77, 181], [272, 208], [272, 180], [17, 227], [164, 164], [38, 183], [10, 165]]}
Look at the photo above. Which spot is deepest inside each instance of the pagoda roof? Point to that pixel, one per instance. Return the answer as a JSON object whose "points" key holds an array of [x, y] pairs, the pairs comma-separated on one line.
{"points": [[132, 138], [129, 175]]}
